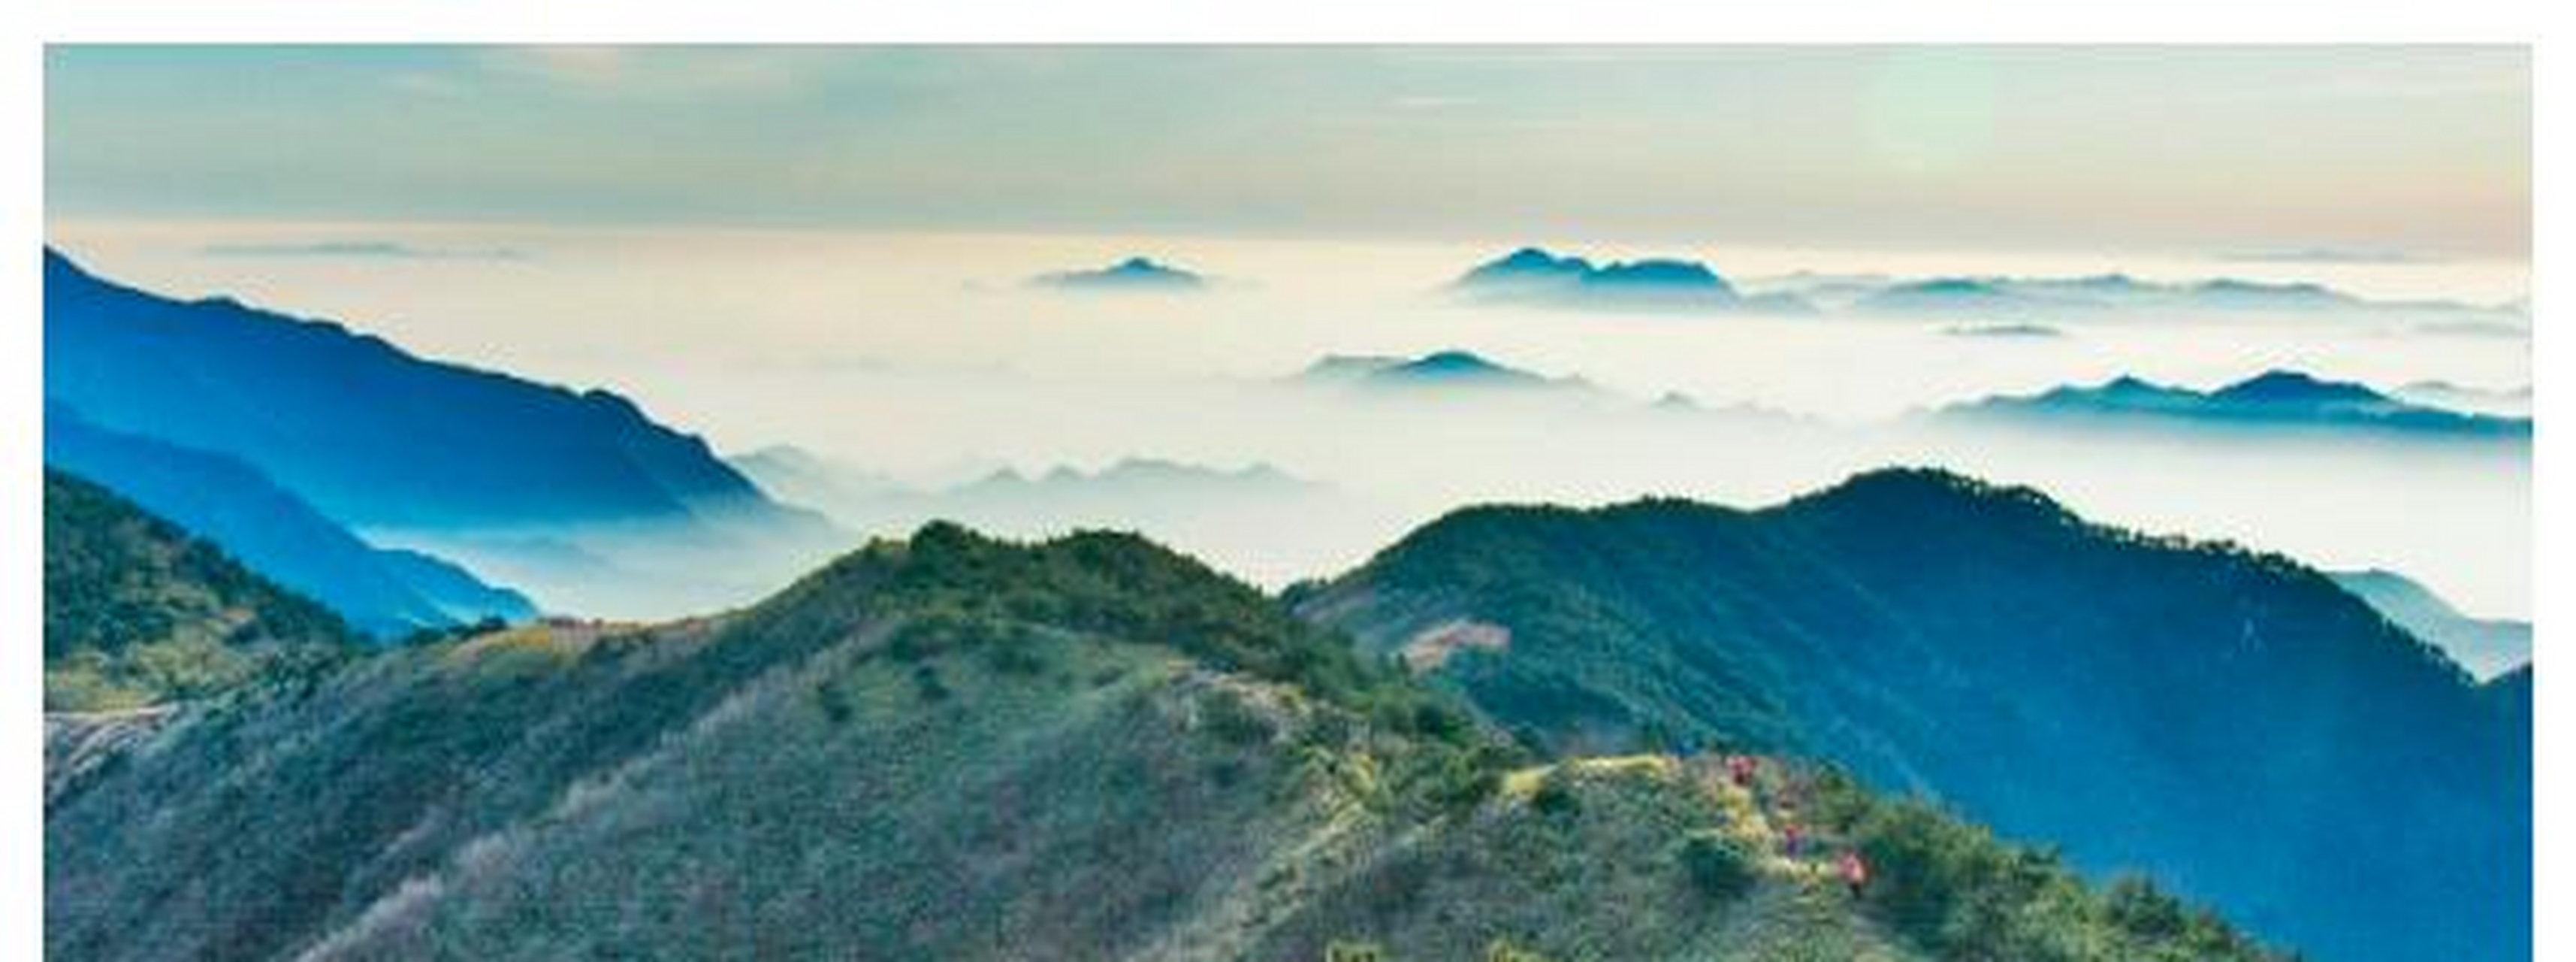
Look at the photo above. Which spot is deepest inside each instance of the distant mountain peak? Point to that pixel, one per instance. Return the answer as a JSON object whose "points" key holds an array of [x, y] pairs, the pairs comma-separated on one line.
{"points": [[1136, 272], [1451, 361], [1446, 365], [1526, 264], [2281, 385], [1950, 285], [1537, 275]]}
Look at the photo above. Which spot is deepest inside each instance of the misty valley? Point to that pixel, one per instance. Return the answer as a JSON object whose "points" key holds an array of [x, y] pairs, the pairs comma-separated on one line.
{"points": [[1472, 641]]}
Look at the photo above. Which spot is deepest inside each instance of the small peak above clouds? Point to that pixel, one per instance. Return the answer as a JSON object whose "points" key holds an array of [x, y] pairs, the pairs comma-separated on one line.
{"points": [[1533, 275], [2282, 386], [1442, 369], [1136, 273]]}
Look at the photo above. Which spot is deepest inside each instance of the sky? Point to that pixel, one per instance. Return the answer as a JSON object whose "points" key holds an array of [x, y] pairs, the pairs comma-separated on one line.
{"points": [[2322, 152]]}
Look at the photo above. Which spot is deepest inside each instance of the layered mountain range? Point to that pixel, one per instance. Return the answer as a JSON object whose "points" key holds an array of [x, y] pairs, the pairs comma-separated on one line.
{"points": [[576, 498], [1649, 730], [385, 592]]}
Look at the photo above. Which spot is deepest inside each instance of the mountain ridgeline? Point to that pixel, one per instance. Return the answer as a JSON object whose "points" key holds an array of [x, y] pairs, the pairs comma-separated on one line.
{"points": [[2487, 647], [1535, 276], [2231, 723], [577, 498], [1138, 273], [370, 434], [139, 612], [2272, 401], [958, 748]]}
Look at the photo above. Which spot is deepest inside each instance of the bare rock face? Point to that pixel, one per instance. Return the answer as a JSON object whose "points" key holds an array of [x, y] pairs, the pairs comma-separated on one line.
{"points": [[1431, 647]]}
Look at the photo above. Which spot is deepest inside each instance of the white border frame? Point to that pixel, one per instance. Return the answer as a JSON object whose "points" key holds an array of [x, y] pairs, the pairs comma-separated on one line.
{"points": [[1338, 21]]}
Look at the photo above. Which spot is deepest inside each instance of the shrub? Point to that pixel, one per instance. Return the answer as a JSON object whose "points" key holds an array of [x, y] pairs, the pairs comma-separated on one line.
{"points": [[1555, 796], [1717, 864], [1015, 651], [834, 701], [1231, 720], [1340, 951], [925, 679]]}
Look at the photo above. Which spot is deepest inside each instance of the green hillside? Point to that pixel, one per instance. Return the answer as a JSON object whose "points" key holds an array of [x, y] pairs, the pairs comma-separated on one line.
{"points": [[2268, 742], [955, 748], [138, 611]]}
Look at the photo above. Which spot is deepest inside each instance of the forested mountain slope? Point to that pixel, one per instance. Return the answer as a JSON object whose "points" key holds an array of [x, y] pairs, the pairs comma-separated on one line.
{"points": [[957, 748], [2229, 722], [138, 611]]}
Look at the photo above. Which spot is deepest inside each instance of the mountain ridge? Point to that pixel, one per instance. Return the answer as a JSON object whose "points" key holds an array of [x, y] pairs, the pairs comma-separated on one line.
{"points": [[1939, 634], [576, 496], [2487, 647], [1087, 744], [2273, 399], [1534, 275], [367, 432]]}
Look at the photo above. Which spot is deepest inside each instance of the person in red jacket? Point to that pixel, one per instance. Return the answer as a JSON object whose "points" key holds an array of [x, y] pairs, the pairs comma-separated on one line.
{"points": [[1739, 768], [1855, 873]]}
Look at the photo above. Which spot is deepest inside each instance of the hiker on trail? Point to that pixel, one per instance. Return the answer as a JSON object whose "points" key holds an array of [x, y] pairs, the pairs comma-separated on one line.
{"points": [[1792, 839], [1855, 873], [1739, 768], [1802, 786]]}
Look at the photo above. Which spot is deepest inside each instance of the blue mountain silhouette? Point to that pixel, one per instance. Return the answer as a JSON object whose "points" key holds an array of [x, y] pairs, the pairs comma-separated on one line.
{"points": [[1133, 274], [365, 432], [2274, 399], [1535, 275], [382, 592]]}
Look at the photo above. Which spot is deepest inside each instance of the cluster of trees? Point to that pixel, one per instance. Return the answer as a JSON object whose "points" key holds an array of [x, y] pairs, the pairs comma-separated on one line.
{"points": [[1952, 888], [957, 590]]}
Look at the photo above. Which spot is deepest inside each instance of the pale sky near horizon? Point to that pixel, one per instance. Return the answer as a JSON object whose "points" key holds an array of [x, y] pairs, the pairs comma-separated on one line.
{"points": [[2368, 152]]}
